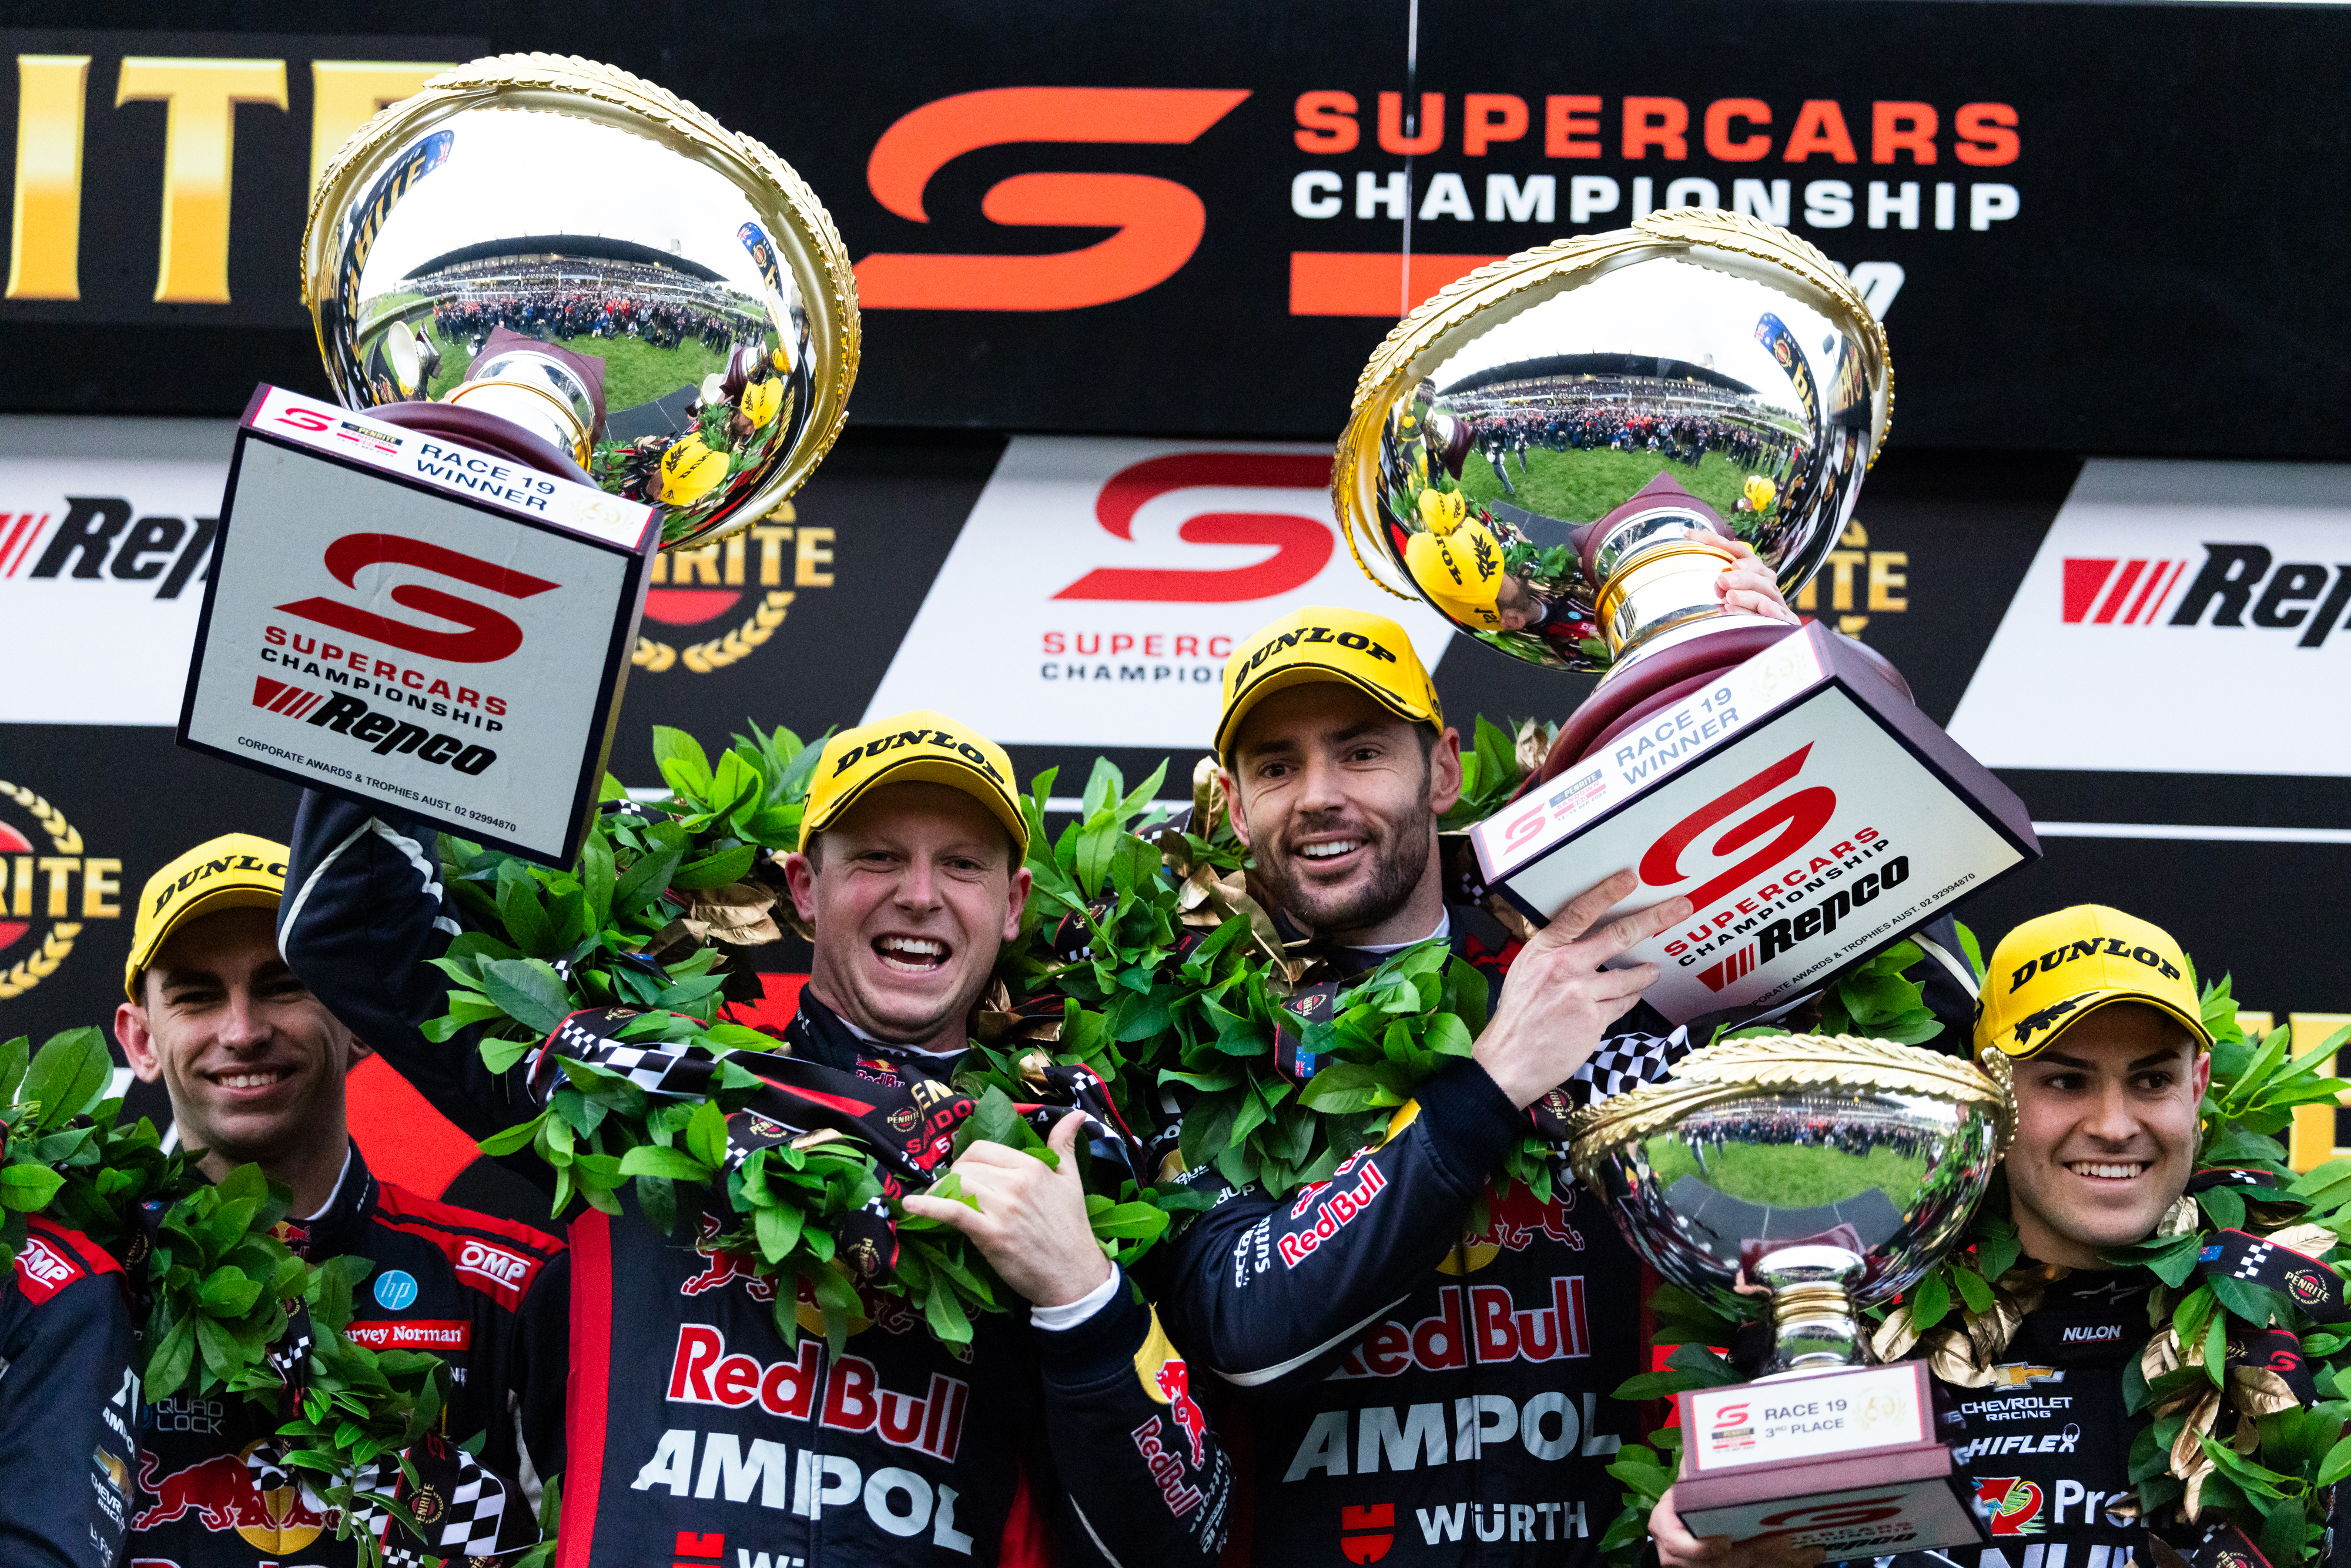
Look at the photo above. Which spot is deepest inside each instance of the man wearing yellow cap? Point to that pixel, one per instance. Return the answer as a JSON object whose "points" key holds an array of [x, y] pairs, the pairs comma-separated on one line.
{"points": [[2099, 1014], [1451, 1316], [254, 1064], [691, 1419]]}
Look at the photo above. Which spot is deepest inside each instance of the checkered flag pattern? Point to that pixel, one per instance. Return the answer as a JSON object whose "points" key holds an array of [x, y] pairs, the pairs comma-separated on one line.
{"points": [[478, 1506], [1626, 1062], [2255, 1257]]}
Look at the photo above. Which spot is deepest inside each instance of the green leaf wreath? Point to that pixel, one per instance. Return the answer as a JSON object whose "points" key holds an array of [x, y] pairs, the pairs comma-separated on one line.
{"points": [[2221, 1435], [216, 1292]]}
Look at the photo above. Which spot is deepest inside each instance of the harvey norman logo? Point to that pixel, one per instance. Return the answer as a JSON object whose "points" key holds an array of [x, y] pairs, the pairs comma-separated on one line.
{"points": [[2188, 587]]}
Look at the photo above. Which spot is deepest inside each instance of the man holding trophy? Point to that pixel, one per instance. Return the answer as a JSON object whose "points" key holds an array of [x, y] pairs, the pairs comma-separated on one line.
{"points": [[1445, 1353]]}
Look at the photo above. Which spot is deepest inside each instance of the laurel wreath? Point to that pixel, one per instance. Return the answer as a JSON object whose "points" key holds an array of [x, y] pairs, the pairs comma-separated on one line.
{"points": [[656, 656], [58, 942]]}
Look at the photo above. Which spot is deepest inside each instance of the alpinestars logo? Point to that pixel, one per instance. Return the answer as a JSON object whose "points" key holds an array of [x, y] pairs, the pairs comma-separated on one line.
{"points": [[2234, 585]]}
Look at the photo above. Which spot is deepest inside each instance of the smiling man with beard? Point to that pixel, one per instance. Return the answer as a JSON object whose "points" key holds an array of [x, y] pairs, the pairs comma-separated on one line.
{"points": [[255, 1065], [1426, 1372], [694, 1427]]}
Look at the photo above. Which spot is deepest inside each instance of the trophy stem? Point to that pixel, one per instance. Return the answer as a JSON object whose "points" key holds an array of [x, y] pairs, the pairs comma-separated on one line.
{"points": [[1814, 1321]]}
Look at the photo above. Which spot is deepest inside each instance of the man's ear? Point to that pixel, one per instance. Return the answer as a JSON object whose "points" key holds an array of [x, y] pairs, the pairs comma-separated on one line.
{"points": [[800, 880], [138, 1045], [1016, 900], [1445, 772], [2202, 1075], [1232, 793]]}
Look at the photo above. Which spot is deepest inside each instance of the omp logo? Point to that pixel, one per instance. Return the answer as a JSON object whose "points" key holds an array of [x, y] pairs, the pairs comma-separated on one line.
{"points": [[1302, 545], [1158, 223], [2114, 592], [1735, 968], [493, 1263], [489, 635], [278, 697], [2236, 585], [44, 1266]]}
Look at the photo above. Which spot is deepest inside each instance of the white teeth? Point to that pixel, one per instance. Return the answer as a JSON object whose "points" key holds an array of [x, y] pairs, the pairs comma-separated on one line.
{"points": [[250, 1080], [1330, 852], [2108, 1170], [919, 945]]}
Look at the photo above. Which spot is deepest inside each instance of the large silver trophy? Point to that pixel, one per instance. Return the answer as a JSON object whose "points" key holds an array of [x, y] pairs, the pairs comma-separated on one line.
{"points": [[1826, 1174], [1560, 453], [571, 320]]}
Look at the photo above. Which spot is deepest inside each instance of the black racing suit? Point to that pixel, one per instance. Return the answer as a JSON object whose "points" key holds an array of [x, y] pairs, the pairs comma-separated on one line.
{"points": [[1384, 1340], [2045, 1445], [693, 1430], [488, 1296], [67, 1397]]}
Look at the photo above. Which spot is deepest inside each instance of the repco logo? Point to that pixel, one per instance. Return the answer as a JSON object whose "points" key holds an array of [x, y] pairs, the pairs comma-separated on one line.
{"points": [[2235, 584], [1157, 223], [488, 636]]}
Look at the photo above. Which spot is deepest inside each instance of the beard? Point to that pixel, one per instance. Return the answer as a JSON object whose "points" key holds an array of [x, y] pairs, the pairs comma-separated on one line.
{"points": [[1400, 859]]}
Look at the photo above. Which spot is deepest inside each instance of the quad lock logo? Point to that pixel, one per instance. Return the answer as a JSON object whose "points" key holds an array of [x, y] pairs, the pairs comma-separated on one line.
{"points": [[50, 889]]}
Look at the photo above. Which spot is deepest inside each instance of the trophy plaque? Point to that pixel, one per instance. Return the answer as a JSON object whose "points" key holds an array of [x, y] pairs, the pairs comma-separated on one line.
{"points": [[1555, 452], [570, 319], [1828, 1173]]}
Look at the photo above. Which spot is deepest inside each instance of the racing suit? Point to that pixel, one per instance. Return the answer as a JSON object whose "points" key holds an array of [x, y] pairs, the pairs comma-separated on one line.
{"points": [[2045, 1448], [67, 1397], [693, 1431], [1402, 1340], [485, 1295]]}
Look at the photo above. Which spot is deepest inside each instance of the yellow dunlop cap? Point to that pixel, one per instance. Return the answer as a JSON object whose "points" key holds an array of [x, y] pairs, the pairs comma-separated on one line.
{"points": [[2051, 972], [1318, 642], [1460, 571], [236, 870], [917, 748]]}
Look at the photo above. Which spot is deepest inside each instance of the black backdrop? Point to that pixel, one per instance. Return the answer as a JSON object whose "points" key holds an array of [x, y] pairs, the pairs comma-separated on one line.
{"points": [[2166, 288]]}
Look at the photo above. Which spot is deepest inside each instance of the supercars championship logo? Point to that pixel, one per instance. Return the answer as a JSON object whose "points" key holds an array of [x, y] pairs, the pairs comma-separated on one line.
{"points": [[50, 888]]}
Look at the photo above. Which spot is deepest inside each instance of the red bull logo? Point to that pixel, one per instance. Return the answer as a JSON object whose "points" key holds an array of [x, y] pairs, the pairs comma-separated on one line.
{"points": [[223, 1495], [724, 1267], [1516, 1220], [1173, 1381]]}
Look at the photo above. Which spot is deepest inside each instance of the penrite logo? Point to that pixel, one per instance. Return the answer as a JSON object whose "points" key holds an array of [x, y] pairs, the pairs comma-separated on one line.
{"points": [[41, 912], [2236, 583], [489, 636], [1158, 223]]}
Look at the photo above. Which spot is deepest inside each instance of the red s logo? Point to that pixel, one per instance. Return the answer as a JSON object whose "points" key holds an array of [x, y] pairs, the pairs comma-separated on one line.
{"points": [[1730, 1416], [489, 635], [1302, 545], [1158, 222], [1799, 816], [310, 419], [1836, 1515]]}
